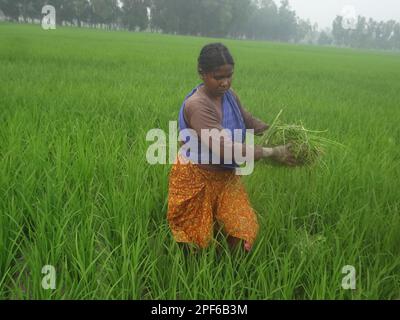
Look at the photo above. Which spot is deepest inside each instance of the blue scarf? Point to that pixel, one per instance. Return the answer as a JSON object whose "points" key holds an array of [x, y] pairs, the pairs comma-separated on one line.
{"points": [[231, 119]]}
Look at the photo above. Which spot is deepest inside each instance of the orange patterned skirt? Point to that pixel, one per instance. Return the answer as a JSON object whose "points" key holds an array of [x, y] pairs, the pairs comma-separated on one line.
{"points": [[198, 199]]}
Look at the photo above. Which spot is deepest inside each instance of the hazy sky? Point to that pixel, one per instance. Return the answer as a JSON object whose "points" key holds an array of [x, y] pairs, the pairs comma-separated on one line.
{"points": [[324, 11]]}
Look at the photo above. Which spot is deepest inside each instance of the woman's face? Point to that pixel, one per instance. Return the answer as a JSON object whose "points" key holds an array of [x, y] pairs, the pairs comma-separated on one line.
{"points": [[219, 81]]}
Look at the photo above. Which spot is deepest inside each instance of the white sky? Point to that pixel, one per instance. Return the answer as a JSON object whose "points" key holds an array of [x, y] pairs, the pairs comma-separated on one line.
{"points": [[324, 12]]}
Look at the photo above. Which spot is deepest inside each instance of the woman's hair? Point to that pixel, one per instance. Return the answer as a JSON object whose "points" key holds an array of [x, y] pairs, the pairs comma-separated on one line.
{"points": [[212, 56]]}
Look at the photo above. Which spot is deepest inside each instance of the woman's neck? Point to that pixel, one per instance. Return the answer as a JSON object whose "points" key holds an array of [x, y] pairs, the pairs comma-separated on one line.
{"points": [[209, 95]]}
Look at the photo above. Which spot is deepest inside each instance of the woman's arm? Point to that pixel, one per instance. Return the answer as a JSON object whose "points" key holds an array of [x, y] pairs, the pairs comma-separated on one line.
{"points": [[200, 115], [250, 121]]}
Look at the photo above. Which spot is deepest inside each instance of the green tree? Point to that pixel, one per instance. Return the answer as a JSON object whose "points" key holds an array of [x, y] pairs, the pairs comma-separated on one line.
{"points": [[287, 22], [241, 11], [134, 14], [264, 21], [10, 8], [104, 11], [324, 39], [82, 11], [338, 32], [304, 30]]}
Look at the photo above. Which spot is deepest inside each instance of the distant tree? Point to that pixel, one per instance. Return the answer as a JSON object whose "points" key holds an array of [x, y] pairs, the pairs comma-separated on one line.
{"points": [[388, 32], [304, 30], [64, 11], [371, 27], [324, 39], [216, 16], [31, 9], [395, 39], [287, 22], [367, 34], [264, 21], [203, 17], [10, 8], [360, 35], [82, 11], [241, 11], [104, 11], [134, 14], [165, 15], [338, 31]]}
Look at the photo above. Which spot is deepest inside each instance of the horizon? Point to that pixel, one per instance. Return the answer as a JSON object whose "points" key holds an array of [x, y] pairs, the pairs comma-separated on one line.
{"points": [[324, 12]]}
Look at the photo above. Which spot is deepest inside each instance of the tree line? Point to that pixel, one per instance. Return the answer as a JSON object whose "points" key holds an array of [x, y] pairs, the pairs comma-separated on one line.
{"points": [[241, 19], [365, 34]]}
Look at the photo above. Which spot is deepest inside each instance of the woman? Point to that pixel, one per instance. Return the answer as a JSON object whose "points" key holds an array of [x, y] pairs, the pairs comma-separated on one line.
{"points": [[204, 196]]}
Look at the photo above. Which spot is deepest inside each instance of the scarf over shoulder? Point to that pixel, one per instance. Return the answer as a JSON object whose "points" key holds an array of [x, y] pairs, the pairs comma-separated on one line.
{"points": [[232, 119]]}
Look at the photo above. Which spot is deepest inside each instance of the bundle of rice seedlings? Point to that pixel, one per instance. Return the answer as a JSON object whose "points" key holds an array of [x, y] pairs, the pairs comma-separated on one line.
{"points": [[307, 145]]}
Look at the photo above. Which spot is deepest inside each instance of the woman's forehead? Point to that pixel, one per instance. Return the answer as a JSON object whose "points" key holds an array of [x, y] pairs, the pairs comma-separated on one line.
{"points": [[226, 69]]}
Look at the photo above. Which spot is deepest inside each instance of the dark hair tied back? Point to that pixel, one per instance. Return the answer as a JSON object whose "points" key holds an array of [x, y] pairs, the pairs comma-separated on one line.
{"points": [[212, 56]]}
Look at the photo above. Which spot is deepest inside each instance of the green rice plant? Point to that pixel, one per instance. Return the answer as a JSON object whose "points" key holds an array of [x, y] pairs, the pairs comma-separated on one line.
{"points": [[306, 145]]}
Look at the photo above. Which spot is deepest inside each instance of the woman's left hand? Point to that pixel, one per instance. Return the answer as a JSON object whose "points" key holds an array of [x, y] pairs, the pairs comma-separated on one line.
{"points": [[281, 154]]}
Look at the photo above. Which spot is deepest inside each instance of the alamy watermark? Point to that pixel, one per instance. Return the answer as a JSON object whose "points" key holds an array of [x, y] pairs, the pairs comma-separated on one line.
{"points": [[349, 281], [49, 280], [212, 147], [49, 18]]}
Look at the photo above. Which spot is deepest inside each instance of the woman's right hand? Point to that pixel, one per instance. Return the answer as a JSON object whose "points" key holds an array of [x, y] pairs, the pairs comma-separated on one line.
{"points": [[281, 154]]}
